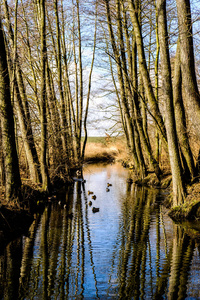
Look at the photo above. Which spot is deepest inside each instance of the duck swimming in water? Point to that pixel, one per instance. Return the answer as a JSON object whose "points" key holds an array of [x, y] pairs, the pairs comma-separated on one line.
{"points": [[95, 209], [90, 203], [90, 192], [94, 197]]}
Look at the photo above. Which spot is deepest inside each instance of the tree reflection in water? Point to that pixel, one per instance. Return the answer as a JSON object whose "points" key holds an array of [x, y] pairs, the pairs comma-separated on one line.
{"points": [[60, 259]]}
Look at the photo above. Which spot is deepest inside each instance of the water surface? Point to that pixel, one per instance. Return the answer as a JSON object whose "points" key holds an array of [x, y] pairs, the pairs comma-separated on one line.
{"points": [[129, 249]]}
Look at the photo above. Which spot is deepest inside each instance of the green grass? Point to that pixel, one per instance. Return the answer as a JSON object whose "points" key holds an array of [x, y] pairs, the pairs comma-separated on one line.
{"points": [[96, 139], [103, 139]]}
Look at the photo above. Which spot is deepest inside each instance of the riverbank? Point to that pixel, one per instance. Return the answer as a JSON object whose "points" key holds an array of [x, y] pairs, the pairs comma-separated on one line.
{"points": [[190, 210], [14, 219], [90, 247], [102, 149], [13, 223]]}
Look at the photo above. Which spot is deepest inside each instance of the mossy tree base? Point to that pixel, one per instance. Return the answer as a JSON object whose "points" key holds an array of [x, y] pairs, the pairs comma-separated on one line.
{"points": [[187, 211], [190, 210]]}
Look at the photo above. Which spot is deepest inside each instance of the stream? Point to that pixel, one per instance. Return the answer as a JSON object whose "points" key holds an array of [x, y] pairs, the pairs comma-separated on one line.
{"points": [[128, 248]]}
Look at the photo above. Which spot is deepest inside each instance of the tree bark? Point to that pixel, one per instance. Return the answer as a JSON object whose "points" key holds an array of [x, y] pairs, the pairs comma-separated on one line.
{"points": [[144, 72], [124, 104], [181, 118], [175, 163], [43, 105], [131, 89], [12, 174], [89, 85], [187, 62], [64, 124], [22, 108]]}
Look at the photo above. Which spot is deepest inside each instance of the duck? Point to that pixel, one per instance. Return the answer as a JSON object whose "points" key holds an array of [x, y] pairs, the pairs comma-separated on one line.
{"points": [[109, 184], [95, 209], [90, 192], [90, 203], [94, 197], [107, 189]]}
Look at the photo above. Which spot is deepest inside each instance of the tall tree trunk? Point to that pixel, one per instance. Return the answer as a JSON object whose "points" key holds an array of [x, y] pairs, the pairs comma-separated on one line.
{"points": [[2, 163], [155, 111], [13, 181], [68, 97], [31, 60], [157, 135], [78, 81], [132, 94], [181, 118], [43, 107], [80, 116], [57, 150], [177, 180], [89, 86], [187, 62], [22, 108], [124, 104], [60, 83]]}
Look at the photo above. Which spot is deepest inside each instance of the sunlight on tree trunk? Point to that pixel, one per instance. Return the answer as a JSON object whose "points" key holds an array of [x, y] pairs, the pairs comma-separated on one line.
{"points": [[177, 179], [12, 175], [43, 115]]}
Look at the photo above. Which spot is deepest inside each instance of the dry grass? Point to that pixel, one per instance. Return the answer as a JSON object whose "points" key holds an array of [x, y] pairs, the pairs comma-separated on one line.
{"points": [[106, 150]]}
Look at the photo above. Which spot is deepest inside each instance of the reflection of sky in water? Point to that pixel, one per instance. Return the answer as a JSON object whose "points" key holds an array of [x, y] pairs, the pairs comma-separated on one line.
{"points": [[103, 225], [107, 247]]}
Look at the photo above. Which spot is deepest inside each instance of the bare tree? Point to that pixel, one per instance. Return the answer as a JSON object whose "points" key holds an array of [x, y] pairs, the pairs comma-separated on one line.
{"points": [[43, 99], [177, 179], [12, 175], [187, 61]]}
